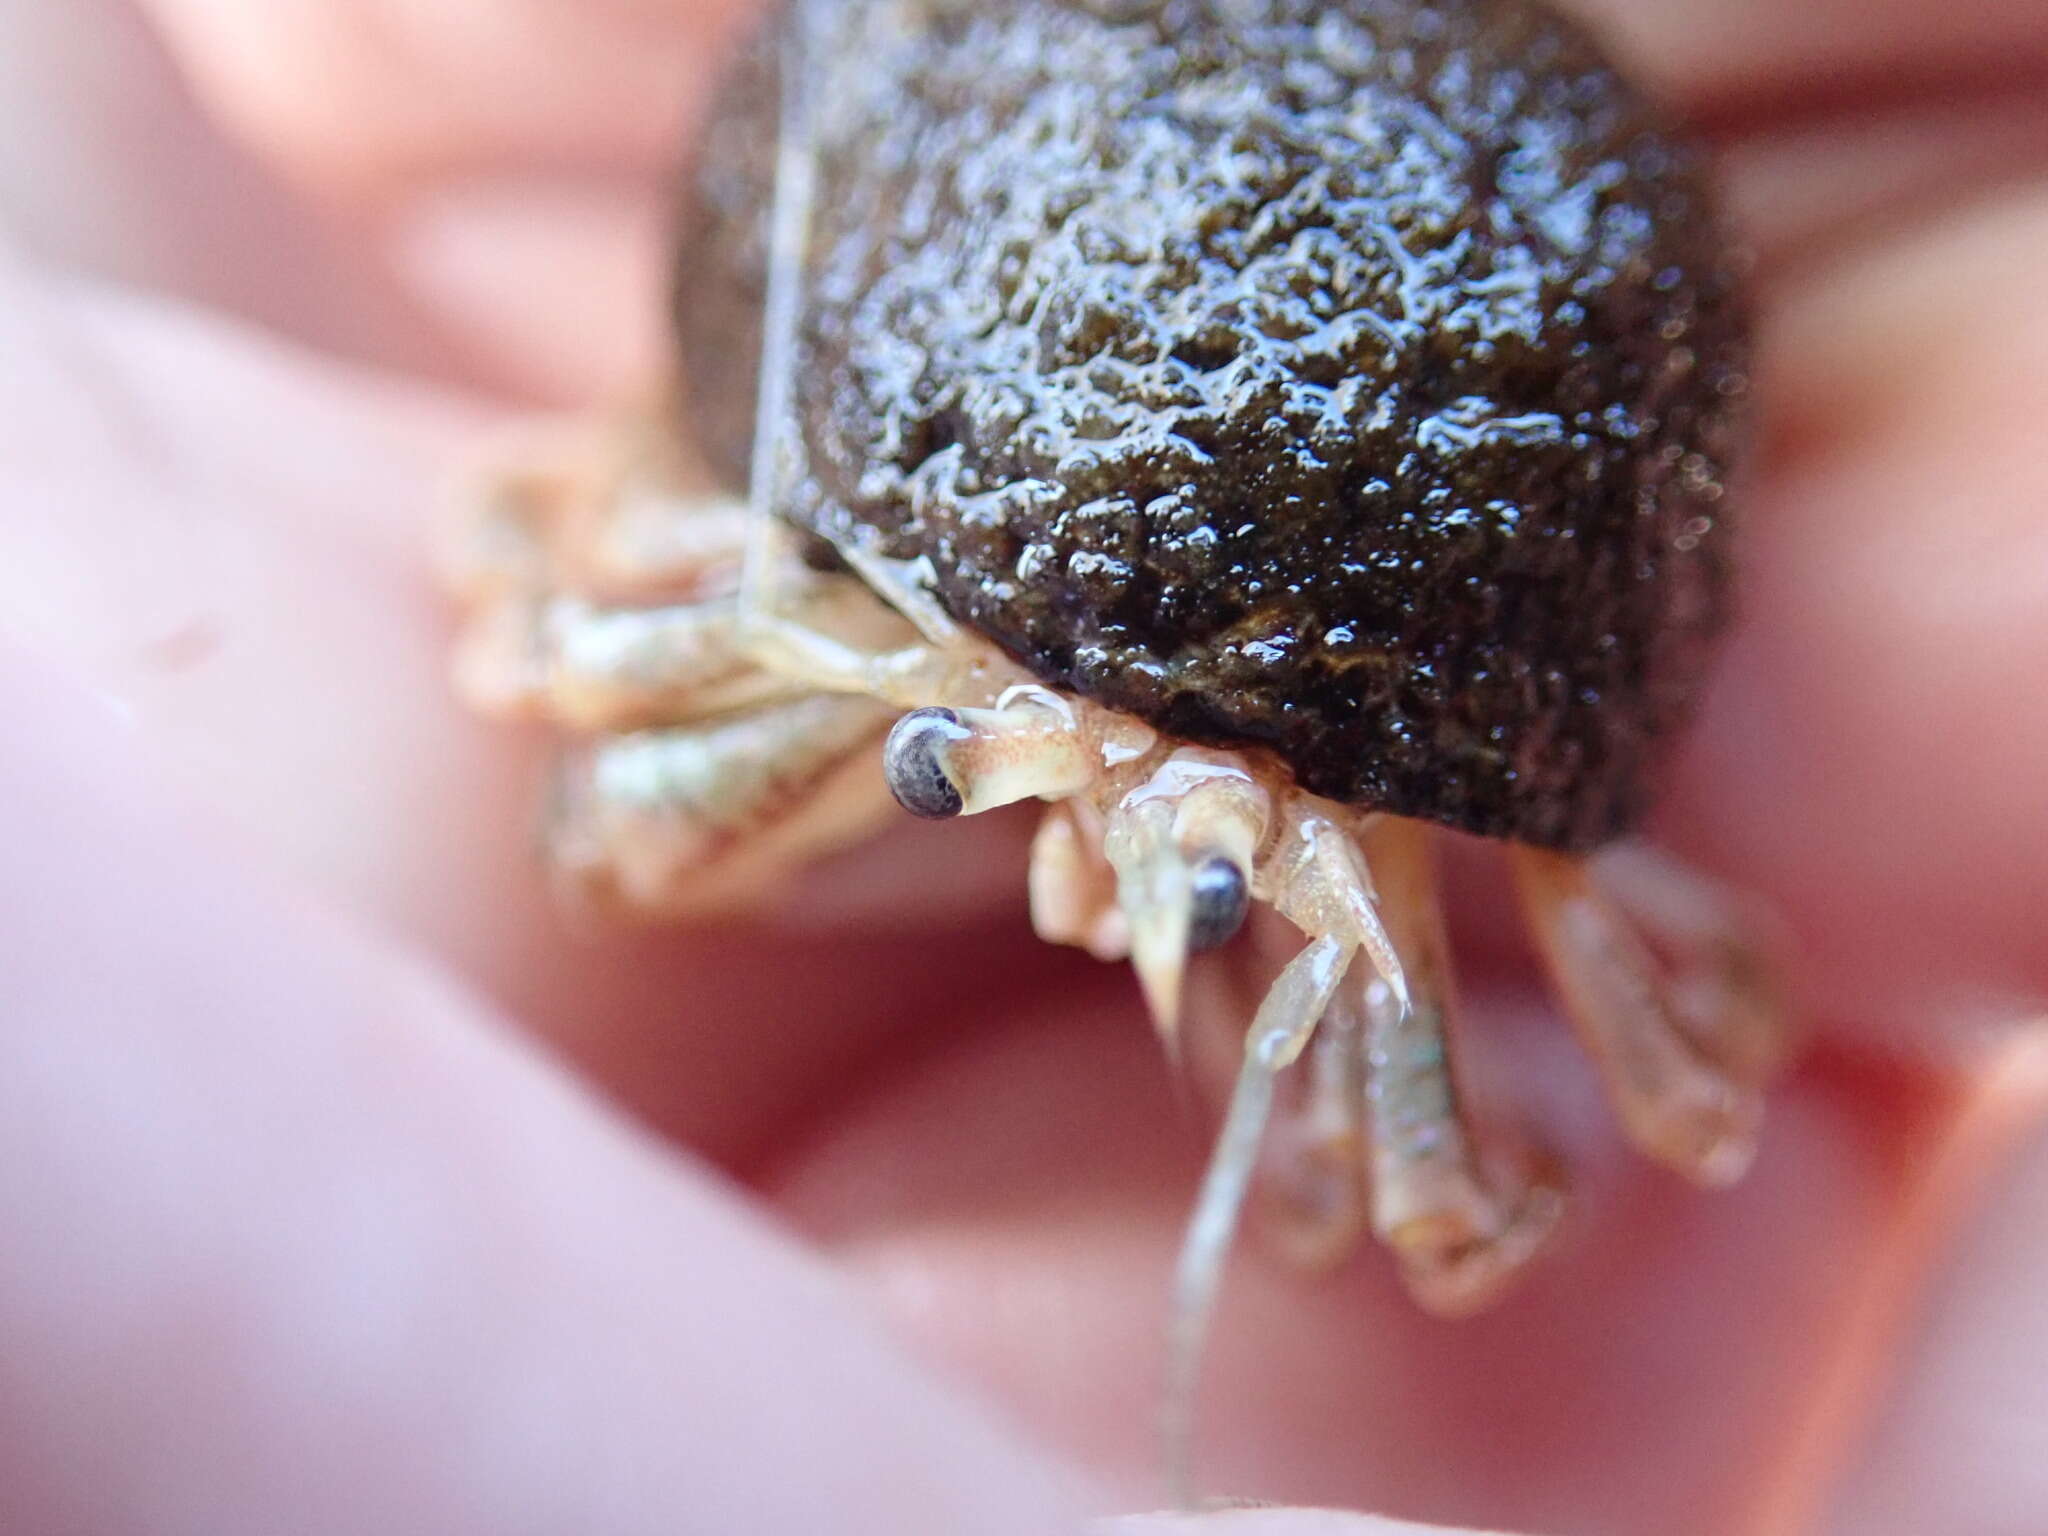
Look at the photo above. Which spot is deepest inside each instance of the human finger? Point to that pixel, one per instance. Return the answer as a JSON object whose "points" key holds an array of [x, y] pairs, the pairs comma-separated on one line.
{"points": [[230, 537], [1864, 758], [300, 1237], [1015, 1197], [1268, 1522], [1955, 1442], [109, 167]]}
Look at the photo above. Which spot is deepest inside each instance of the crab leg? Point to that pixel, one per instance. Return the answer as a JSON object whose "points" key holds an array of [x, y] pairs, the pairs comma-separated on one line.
{"points": [[1677, 1103], [597, 508], [1460, 1224], [1182, 845], [1725, 988], [591, 668], [663, 822], [1279, 1033], [1317, 1201], [1073, 887], [1313, 873], [1317, 879]]}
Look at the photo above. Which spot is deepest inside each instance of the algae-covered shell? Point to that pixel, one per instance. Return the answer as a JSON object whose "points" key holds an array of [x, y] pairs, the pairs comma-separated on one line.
{"points": [[1353, 378]]}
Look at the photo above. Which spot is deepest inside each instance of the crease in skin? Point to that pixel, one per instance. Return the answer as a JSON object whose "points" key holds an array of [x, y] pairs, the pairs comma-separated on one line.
{"points": [[1992, 1112], [1809, 196]]}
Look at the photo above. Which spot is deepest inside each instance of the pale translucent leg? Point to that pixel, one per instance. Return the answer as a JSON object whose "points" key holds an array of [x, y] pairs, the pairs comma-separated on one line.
{"points": [[1719, 949], [661, 823], [1073, 887], [599, 508], [907, 671], [587, 668], [1315, 1200], [1316, 877], [1460, 1217], [1677, 1102], [1312, 871], [1382, 1129], [1285, 1022], [1182, 841], [601, 600]]}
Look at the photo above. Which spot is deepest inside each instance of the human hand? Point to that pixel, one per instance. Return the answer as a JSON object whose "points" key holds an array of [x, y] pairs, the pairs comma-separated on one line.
{"points": [[303, 1234]]}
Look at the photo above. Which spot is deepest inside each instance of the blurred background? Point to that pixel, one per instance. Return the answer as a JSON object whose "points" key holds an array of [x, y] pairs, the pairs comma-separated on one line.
{"points": [[345, 1186]]}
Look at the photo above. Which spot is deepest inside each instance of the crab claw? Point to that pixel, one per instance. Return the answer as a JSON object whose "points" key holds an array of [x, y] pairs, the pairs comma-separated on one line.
{"points": [[1323, 886], [1182, 845]]}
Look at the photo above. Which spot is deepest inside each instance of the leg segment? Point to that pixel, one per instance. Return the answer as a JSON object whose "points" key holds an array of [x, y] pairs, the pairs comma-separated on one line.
{"points": [[1316, 1202], [1279, 1034], [601, 509], [1724, 986], [1317, 879], [1073, 887], [1183, 843], [664, 823], [601, 600], [589, 669], [1460, 1222], [1678, 1103]]}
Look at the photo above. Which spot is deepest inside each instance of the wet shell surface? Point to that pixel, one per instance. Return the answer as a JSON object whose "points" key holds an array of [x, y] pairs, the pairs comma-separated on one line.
{"points": [[1355, 379]]}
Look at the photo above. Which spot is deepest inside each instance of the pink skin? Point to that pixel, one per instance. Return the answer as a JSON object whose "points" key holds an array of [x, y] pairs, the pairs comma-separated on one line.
{"points": [[297, 1216]]}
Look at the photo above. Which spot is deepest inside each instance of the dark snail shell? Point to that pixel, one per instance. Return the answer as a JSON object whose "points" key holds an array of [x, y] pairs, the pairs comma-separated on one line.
{"points": [[1356, 379]]}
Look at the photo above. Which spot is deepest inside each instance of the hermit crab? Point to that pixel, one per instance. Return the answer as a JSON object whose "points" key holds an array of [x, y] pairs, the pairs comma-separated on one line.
{"points": [[1269, 432]]}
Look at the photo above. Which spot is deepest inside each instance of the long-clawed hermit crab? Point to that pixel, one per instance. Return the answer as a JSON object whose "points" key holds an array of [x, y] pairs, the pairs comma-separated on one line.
{"points": [[1265, 431]]}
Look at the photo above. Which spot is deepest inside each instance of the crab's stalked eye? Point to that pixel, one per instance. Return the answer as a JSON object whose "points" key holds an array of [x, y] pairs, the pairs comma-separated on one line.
{"points": [[942, 763], [914, 762], [1220, 895]]}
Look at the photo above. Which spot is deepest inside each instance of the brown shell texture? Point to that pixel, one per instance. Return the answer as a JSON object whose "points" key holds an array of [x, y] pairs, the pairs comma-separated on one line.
{"points": [[1355, 379]]}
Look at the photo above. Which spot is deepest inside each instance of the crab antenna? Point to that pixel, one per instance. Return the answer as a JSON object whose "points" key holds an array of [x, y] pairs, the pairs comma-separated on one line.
{"points": [[1285, 1021]]}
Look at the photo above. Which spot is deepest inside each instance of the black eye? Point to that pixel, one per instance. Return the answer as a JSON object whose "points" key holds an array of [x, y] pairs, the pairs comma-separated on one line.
{"points": [[913, 762], [1222, 896]]}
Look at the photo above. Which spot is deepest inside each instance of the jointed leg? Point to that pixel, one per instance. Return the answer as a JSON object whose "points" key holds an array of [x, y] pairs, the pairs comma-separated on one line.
{"points": [[660, 823], [1073, 888], [589, 667], [1278, 1035], [1460, 1221], [1678, 1103], [1723, 984], [605, 669], [595, 508], [1183, 841], [1315, 1198], [1318, 880], [601, 599]]}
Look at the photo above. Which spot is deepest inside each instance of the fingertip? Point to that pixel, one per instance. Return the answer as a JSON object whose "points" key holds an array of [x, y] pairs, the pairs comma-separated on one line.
{"points": [[1267, 1522]]}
